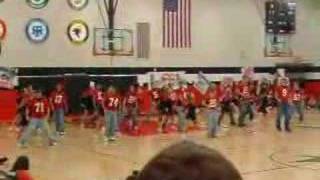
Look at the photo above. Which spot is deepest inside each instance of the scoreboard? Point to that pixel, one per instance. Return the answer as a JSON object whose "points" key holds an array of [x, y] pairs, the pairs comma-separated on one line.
{"points": [[280, 17]]}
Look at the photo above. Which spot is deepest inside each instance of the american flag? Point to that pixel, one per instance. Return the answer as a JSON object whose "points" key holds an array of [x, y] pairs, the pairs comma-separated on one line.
{"points": [[176, 24]]}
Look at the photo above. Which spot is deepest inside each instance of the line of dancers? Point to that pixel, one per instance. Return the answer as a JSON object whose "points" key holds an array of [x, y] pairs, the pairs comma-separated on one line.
{"points": [[162, 103]]}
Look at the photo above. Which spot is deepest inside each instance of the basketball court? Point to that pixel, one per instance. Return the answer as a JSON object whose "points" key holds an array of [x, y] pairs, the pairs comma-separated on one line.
{"points": [[259, 151], [179, 47]]}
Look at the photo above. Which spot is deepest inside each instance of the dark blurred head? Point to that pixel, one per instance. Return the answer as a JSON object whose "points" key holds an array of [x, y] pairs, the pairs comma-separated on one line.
{"points": [[296, 85], [59, 87], [212, 85], [111, 90], [29, 88], [189, 161], [38, 93], [132, 88], [22, 163], [99, 87], [145, 86]]}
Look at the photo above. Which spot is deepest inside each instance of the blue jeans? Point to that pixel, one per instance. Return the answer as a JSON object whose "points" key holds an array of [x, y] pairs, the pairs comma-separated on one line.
{"points": [[245, 109], [58, 116], [33, 125], [181, 118], [298, 107], [284, 109], [111, 118], [213, 121]]}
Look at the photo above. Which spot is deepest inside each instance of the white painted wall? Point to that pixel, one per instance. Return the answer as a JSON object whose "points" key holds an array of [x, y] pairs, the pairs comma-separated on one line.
{"points": [[225, 33]]}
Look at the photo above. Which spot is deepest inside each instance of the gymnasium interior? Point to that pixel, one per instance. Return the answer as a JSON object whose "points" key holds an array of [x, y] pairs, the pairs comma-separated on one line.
{"points": [[161, 44]]}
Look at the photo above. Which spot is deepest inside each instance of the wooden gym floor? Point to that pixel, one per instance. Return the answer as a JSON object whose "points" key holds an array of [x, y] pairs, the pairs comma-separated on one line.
{"points": [[258, 151]]}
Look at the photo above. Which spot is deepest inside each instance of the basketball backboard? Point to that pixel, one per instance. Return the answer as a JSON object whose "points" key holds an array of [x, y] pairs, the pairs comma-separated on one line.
{"points": [[113, 42], [278, 45]]}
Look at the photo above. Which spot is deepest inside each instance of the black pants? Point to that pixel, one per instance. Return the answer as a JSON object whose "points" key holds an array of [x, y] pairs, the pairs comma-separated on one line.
{"points": [[227, 108], [191, 113], [264, 105]]}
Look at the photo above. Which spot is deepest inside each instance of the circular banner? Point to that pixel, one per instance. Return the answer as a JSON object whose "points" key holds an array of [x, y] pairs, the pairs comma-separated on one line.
{"points": [[78, 4], [37, 30], [37, 4], [78, 31], [3, 29]]}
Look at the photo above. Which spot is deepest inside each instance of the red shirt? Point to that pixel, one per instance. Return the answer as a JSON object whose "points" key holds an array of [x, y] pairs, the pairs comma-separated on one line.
{"points": [[23, 175], [244, 91], [155, 93], [38, 108], [297, 96], [226, 95], [92, 91], [194, 95], [182, 96], [111, 102], [145, 100], [211, 99], [173, 96], [283, 93], [164, 95], [98, 96], [131, 99], [58, 99]]}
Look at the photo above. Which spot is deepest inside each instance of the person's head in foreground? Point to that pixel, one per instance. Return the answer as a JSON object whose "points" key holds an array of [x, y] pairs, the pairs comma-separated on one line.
{"points": [[22, 163], [189, 161]]}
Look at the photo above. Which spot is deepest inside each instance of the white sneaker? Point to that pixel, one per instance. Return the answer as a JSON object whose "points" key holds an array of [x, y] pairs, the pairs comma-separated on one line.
{"points": [[52, 143], [112, 139], [62, 133]]}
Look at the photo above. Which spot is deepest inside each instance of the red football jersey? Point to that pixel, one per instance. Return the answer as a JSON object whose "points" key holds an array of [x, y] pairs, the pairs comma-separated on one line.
{"points": [[155, 93], [131, 99], [212, 99], [244, 91], [111, 102], [194, 96], [283, 93], [58, 99], [173, 96], [297, 95], [38, 108], [144, 101], [182, 96], [98, 96], [226, 95]]}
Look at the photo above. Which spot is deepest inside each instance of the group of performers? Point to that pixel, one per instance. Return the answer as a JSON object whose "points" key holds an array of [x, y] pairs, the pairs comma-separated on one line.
{"points": [[162, 103]]}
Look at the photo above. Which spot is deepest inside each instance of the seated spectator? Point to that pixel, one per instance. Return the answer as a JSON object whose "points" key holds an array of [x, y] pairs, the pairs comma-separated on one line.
{"points": [[188, 161], [19, 171]]}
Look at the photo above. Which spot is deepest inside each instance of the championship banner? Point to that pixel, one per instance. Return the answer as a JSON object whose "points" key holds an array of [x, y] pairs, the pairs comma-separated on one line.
{"points": [[78, 32], [3, 29], [78, 4], [37, 4], [7, 78], [37, 30]]}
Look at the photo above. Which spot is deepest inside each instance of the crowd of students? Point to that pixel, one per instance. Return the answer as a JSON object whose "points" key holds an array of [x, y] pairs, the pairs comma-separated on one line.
{"points": [[163, 103]]}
